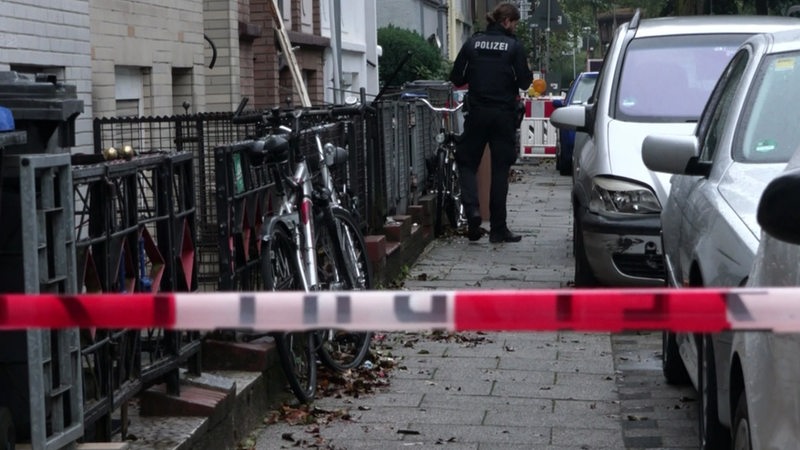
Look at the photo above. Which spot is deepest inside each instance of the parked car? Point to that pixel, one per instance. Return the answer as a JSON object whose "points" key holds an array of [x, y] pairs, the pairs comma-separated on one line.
{"points": [[578, 93], [656, 78], [746, 135], [764, 388]]}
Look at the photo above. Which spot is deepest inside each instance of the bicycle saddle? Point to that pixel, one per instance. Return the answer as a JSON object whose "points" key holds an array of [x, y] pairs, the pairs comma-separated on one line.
{"points": [[276, 149]]}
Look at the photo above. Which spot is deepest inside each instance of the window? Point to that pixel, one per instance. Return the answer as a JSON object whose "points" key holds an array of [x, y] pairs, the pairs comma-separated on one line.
{"points": [[719, 106], [669, 78], [128, 91], [583, 90], [769, 131]]}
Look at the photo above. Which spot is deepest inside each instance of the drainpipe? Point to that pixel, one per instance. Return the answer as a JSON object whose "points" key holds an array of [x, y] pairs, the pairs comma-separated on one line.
{"points": [[336, 47]]}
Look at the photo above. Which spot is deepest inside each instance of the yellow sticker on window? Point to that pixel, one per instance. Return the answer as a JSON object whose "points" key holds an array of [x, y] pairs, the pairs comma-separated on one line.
{"points": [[784, 64]]}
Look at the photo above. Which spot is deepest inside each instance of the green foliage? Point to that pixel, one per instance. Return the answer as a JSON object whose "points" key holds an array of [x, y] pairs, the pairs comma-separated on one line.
{"points": [[426, 62], [583, 14]]}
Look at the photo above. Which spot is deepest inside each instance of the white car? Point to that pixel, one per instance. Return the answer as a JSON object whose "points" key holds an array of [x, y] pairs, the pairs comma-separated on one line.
{"points": [[656, 78], [746, 135], [766, 388]]}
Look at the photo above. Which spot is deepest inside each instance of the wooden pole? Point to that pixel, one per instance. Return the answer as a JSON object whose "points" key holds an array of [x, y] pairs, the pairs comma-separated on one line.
{"points": [[288, 53]]}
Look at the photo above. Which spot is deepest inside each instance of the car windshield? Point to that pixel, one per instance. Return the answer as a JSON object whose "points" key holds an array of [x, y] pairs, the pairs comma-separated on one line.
{"points": [[669, 79], [770, 133], [583, 89]]}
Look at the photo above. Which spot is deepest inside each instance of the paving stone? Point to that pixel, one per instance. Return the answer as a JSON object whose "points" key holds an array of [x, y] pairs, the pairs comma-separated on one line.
{"points": [[553, 390]]}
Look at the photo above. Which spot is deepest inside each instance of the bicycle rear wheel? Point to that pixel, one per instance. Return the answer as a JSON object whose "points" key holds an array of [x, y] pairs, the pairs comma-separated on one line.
{"points": [[452, 203], [337, 349], [296, 350]]}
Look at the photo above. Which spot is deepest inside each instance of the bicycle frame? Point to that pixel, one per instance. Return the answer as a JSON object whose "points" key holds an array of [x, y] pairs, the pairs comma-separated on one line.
{"points": [[297, 257], [296, 209]]}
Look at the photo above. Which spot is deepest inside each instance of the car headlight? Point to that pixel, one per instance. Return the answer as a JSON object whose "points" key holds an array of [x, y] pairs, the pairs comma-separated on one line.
{"points": [[619, 196]]}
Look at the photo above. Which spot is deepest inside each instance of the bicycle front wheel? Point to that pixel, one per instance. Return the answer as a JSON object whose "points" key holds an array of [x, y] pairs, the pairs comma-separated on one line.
{"points": [[296, 350], [297, 355], [349, 270], [440, 187]]}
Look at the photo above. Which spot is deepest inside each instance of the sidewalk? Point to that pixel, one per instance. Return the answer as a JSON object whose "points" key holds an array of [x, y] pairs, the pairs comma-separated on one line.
{"points": [[553, 390], [549, 390]]}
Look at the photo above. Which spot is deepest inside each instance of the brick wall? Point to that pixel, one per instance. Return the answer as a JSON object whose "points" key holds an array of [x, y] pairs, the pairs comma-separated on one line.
{"points": [[152, 35], [35, 37]]}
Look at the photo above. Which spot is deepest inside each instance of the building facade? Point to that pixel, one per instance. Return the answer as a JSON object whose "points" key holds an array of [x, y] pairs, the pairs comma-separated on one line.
{"points": [[151, 58]]}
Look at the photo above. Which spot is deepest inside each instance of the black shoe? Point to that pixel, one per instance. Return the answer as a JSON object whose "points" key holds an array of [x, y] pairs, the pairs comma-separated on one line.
{"points": [[504, 236], [474, 227]]}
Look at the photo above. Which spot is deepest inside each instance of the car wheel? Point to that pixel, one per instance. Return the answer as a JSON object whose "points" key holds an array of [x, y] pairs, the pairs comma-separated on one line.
{"points": [[7, 434], [712, 434], [559, 161], [583, 272], [741, 425], [563, 166], [674, 370]]}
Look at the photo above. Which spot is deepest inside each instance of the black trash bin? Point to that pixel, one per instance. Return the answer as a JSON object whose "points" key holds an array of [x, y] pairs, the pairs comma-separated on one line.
{"points": [[41, 107]]}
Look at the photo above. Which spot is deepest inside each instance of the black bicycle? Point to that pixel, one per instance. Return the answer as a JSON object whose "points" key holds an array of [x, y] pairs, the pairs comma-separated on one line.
{"points": [[446, 184]]}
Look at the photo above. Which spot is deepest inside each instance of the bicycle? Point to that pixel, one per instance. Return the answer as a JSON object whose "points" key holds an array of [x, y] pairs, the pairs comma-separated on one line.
{"points": [[309, 243], [443, 172]]}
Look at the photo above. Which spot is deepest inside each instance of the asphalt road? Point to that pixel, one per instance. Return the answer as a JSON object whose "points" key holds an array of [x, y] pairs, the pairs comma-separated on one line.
{"points": [[539, 390]]}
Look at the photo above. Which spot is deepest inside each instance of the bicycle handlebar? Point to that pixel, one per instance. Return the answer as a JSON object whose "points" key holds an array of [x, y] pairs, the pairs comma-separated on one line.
{"points": [[239, 119], [439, 109], [247, 118], [267, 117]]}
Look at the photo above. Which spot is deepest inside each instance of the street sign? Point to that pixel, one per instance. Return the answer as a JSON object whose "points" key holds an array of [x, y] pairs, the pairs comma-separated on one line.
{"points": [[549, 12]]}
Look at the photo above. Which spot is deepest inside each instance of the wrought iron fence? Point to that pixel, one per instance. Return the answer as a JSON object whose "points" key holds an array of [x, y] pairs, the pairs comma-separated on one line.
{"points": [[183, 214], [135, 232]]}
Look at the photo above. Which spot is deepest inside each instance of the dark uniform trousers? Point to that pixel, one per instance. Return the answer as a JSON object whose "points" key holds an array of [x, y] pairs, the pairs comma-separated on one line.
{"points": [[497, 127]]}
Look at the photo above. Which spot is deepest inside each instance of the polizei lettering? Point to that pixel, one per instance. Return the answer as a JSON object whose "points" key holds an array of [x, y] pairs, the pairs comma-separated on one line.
{"points": [[487, 45]]}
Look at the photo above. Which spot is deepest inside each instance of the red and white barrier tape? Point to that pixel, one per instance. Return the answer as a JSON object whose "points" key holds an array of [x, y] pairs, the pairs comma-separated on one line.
{"points": [[695, 310]]}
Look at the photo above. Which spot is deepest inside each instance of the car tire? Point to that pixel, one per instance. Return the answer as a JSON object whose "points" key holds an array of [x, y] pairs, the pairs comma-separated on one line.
{"points": [[741, 425], [559, 163], [713, 435], [583, 272], [671, 364], [563, 166], [565, 169], [7, 434]]}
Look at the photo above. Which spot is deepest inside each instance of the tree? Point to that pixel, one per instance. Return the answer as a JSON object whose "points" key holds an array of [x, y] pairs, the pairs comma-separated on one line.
{"points": [[425, 63]]}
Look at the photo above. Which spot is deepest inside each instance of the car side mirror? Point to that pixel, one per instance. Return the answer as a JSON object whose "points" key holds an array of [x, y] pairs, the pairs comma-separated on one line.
{"points": [[779, 208], [570, 117], [670, 153]]}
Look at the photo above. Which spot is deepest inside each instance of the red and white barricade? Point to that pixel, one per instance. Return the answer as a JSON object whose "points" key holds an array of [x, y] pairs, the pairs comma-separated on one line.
{"points": [[537, 136]]}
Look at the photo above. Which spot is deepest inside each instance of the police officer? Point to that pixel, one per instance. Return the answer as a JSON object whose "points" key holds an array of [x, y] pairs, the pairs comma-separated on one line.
{"points": [[493, 63]]}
